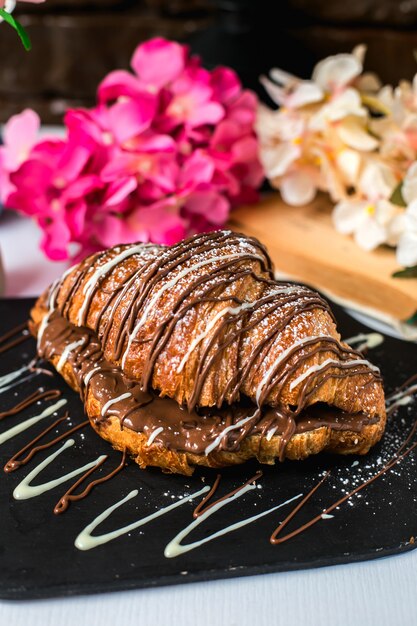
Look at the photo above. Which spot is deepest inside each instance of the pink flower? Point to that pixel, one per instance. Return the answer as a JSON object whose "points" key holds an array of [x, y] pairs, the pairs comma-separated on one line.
{"points": [[158, 62], [19, 136], [192, 102], [167, 151], [52, 187]]}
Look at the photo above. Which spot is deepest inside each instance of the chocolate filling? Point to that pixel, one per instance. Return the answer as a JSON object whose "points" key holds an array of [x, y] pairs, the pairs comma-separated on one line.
{"points": [[180, 428]]}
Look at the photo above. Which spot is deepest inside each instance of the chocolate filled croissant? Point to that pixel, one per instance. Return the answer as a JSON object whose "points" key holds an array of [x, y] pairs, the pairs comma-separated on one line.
{"points": [[194, 355]]}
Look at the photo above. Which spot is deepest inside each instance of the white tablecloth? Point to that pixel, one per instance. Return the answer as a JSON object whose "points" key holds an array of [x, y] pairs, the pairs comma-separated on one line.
{"points": [[375, 593]]}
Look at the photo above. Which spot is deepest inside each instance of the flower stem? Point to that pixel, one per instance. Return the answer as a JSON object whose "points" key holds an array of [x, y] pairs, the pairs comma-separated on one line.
{"points": [[24, 37]]}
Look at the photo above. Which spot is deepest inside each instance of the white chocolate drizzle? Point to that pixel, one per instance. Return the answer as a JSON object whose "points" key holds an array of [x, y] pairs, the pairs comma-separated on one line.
{"points": [[232, 311], [86, 541], [336, 363], [271, 432], [169, 285], [53, 292], [15, 430], [175, 548], [297, 344], [365, 340], [90, 375], [210, 325], [403, 397], [25, 490], [99, 273], [154, 434], [227, 430], [112, 401], [67, 351], [8, 378]]}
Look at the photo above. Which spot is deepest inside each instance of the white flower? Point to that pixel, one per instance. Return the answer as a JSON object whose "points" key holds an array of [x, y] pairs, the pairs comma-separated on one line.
{"points": [[338, 107], [289, 91], [371, 224], [288, 168], [9, 6], [330, 76], [349, 162], [377, 180], [299, 186], [354, 133], [407, 244], [409, 186], [338, 71]]}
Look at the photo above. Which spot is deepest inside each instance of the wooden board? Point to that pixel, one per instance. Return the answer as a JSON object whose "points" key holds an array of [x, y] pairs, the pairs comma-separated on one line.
{"points": [[304, 244]]}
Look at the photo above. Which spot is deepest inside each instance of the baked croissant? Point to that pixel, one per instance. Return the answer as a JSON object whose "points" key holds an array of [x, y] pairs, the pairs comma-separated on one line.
{"points": [[194, 355]]}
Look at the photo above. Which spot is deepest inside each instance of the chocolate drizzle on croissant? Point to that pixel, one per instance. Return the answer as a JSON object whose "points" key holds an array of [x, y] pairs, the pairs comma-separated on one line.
{"points": [[202, 334]]}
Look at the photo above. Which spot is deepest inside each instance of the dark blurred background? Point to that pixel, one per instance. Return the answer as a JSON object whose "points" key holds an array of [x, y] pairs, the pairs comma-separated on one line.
{"points": [[76, 42]]}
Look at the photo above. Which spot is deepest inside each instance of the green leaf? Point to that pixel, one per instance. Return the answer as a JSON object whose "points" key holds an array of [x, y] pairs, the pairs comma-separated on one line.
{"points": [[397, 196], [24, 37], [407, 272]]}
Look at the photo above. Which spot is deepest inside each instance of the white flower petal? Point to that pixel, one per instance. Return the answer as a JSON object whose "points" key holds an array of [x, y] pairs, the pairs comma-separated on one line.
{"points": [[377, 180], [305, 93], [331, 181], [348, 215], [385, 212], [395, 229], [352, 132], [359, 52], [411, 213], [370, 234], [277, 159], [282, 77], [407, 249], [409, 188], [349, 162], [298, 188], [276, 93], [386, 96], [340, 106], [289, 91], [368, 82], [336, 71]]}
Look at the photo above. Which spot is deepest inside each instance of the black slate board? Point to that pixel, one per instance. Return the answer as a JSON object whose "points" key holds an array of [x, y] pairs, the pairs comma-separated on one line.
{"points": [[37, 554]]}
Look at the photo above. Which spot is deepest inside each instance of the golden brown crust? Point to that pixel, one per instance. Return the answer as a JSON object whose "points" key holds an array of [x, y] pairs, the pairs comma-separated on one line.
{"points": [[300, 446], [107, 317], [349, 393]]}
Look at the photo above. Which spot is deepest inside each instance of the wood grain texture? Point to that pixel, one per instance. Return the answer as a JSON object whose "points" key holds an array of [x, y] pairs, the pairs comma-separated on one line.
{"points": [[303, 243]]}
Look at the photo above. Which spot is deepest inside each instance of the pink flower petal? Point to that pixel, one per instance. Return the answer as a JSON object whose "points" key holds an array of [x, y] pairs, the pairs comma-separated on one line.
{"points": [[34, 176], [199, 168], [157, 62], [56, 239], [119, 190], [6, 187], [75, 217], [213, 206], [71, 164], [245, 150], [209, 113], [243, 110], [225, 83], [225, 134], [81, 187], [130, 118], [150, 142], [116, 84], [19, 135]]}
